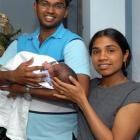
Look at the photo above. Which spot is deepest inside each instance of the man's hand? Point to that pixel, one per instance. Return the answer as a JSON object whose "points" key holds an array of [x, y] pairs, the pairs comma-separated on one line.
{"points": [[14, 90], [25, 74]]}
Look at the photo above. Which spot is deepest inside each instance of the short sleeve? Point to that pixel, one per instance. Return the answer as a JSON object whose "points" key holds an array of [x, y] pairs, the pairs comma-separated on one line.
{"points": [[133, 97], [77, 57], [9, 53]]}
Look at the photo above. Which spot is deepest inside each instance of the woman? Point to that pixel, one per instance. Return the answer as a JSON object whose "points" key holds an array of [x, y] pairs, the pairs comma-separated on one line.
{"points": [[113, 109]]}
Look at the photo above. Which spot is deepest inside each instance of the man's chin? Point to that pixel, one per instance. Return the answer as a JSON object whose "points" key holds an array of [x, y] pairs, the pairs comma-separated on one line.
{"points": [[49, 27]]}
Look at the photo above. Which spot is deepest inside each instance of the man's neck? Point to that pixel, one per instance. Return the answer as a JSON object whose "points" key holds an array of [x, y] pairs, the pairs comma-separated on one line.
{"points": [[45, 33]]}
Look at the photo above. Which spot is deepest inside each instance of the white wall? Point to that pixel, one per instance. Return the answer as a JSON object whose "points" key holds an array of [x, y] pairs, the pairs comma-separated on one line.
{"points": [[107, 13], [86, 20], [100, 14], [136, 40]]}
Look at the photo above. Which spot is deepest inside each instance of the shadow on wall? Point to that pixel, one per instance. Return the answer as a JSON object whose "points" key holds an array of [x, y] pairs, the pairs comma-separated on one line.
{"points": [[22, 16]]}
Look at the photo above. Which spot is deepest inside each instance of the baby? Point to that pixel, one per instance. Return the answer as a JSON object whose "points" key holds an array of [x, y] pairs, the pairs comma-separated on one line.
{"points": [[59, 70], [14, 112]]}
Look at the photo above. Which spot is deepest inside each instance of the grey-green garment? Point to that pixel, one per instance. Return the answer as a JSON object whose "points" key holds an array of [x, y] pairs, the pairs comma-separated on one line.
{"points": [[106, 102]]}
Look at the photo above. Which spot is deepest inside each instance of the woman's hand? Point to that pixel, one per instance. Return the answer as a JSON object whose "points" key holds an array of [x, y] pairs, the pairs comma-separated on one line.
{"points": [[73, 92]]}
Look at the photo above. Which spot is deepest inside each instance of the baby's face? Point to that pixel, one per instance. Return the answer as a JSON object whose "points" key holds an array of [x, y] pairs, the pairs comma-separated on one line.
{"points": [[49, 67], [52, 68], [56, 70], [61, 71]]}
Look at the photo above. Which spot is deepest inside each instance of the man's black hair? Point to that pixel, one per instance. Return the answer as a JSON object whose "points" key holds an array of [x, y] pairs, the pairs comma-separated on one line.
{"points": [[67, 2]]}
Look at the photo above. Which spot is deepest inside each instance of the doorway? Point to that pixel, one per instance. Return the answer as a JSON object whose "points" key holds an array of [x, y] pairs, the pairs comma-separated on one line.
{"points": [[74, 20]]}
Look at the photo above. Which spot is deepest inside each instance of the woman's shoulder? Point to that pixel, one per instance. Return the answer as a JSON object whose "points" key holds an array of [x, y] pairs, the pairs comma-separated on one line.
{"points": [[134, 94], [134, 85]]}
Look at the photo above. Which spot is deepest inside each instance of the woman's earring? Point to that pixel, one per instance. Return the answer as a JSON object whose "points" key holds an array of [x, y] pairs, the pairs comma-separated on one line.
{"points": [[124, 64]]}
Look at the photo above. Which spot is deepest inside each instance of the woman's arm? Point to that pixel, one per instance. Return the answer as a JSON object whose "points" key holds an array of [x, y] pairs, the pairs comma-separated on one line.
{"points": [[125, 127], [126, 123]]}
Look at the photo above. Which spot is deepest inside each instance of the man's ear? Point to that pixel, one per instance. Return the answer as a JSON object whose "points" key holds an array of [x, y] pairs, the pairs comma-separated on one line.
{"points": [[34, 6], [66, 13]]}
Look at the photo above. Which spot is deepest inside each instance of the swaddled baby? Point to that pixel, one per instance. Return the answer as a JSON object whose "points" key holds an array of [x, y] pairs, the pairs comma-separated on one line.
{"points": [[59, 70], [14, 112]]}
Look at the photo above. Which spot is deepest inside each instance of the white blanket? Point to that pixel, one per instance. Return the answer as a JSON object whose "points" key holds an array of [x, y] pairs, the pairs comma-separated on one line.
{"points": [[13, 116], [38, 61], [14, 112]]}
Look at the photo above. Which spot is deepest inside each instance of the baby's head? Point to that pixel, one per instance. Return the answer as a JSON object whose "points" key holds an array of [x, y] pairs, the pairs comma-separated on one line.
{"points": [[62, 72]]}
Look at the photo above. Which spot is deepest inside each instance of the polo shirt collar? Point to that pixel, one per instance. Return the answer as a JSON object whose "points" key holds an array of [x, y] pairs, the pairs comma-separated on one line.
{"points": [[57, 34]]}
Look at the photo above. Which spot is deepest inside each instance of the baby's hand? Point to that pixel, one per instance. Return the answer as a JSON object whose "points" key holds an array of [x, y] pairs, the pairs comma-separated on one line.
{"points": [[49, 66], [46, 65]]}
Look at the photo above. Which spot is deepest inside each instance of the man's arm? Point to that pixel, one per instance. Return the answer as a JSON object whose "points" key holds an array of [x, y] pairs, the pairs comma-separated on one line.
{"points": [[22, 75], [49, 93], [77, 57], [42, 93], [9, 53], [78, 62]]}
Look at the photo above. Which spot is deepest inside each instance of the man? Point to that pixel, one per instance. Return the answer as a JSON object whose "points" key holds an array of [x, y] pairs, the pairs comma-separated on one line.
{"points": [[15, 111], [49, 118]]}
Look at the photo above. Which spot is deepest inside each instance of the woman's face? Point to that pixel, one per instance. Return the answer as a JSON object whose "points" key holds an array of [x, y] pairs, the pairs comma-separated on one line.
{"points": [[107, 56]]}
